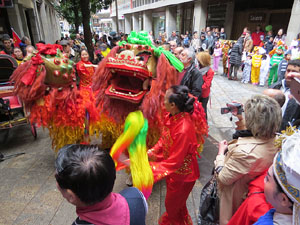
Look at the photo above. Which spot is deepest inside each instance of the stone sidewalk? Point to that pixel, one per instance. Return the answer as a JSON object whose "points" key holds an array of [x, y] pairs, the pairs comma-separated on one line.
{"points": [[28, 194]]}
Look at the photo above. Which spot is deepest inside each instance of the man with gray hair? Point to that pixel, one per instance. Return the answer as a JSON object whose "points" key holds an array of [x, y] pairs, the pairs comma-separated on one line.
{"points": [[173, 45], [190, 76], [177, 51]]}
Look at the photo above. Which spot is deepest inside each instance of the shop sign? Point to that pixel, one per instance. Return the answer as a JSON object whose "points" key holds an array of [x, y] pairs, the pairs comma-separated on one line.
{"points": [[257, 18]]}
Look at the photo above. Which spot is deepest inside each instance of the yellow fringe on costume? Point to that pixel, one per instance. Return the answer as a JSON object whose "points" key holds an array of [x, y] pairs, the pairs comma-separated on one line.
{"points": [[134, 139], [284, 133], [62, 136], [111, 130]]}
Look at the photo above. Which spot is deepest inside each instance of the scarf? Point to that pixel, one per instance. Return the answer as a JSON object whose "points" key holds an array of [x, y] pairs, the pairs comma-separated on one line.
{"points": [[242, 133], [204, 70], [112, 210]]}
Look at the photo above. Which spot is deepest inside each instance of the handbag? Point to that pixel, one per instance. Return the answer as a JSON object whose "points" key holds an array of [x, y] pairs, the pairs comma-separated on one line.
{"points": [[209, 204]]}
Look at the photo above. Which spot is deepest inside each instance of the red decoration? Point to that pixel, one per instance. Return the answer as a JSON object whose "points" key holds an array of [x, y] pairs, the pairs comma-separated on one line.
{"points": [[66, 76], [57, 61], [128, 46], [16, 38], [30, 76], [56, 73], [48, 49]]}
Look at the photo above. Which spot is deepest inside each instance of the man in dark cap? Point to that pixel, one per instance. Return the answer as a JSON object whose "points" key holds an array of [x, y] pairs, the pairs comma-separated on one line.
{"points": [[7, 45]]}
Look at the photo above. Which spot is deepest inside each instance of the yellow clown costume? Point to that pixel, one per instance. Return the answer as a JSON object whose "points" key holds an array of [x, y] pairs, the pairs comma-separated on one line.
{"points": [[256, 63]]}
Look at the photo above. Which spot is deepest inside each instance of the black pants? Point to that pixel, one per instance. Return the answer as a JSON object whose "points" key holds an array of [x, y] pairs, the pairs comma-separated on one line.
{"points": [[204, 102], [234, 69]]}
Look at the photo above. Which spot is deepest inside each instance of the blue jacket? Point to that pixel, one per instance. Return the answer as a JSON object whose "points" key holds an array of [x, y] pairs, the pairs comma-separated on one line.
{"points": [[266, 219]]}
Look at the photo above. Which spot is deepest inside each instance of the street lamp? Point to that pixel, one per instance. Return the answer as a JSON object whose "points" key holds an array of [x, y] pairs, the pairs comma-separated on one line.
{"points": [[117, 16]]}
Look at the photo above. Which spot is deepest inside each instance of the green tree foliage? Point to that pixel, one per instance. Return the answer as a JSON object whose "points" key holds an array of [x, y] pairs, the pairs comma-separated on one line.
{"points": [[71, 10], [78, 12]]}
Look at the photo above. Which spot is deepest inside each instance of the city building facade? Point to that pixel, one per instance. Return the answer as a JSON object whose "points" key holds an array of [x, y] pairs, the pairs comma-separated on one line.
{"points": [[36, 19], [102, 22], [194, 15]]}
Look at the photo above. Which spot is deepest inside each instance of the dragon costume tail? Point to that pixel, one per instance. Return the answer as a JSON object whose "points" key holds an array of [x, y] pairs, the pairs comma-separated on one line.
{"points": [[134, 139]]}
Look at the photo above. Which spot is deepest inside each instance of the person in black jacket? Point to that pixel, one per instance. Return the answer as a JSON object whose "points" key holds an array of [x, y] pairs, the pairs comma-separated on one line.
{"points": [[190, 76], [236, 58], [203, 43], [223, 35]]}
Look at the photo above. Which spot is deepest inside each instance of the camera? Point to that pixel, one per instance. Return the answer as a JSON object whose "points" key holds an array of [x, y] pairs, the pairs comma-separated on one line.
{"points": [[234, 108]]}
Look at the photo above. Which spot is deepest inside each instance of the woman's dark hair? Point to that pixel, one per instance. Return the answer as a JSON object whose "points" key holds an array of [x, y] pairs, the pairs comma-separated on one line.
{"points": [[83, 50], [87, 171], [181, 99], [17, 48]]}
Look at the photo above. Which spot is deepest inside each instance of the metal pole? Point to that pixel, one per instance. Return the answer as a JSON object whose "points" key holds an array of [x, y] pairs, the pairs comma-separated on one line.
{"points": [[117, 16]]}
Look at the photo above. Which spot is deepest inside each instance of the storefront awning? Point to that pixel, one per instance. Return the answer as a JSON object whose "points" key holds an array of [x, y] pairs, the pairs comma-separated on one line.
{"points": [[26, 3]]}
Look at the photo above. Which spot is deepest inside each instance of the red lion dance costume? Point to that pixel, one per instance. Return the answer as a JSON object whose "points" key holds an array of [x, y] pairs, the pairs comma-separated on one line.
{"points": [[46, 84], [135, 76]]}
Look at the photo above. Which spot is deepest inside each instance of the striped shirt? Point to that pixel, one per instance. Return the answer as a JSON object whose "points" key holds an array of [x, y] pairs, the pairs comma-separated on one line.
{"points": [[282, 69]]}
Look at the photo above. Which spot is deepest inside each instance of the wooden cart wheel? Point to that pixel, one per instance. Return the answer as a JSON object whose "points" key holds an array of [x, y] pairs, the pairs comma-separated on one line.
{"points": [[5, 135]]}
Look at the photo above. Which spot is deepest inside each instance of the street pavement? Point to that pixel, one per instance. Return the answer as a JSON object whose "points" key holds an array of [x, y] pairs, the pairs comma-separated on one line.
{"points": [[28, 193]]}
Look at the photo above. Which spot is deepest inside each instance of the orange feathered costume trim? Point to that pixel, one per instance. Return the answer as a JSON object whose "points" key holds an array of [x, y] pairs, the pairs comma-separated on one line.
{"points": [[60, 108]]}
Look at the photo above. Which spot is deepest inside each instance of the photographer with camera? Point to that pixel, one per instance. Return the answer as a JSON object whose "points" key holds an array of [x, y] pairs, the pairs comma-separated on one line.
{"points": [[250, 153]]}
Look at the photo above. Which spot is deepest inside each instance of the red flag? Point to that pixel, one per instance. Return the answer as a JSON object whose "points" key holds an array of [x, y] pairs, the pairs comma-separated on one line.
{"points": [[16, 38]]}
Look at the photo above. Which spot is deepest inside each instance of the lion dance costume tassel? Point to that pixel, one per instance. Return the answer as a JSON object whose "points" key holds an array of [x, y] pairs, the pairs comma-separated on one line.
{"points": [[134, 139]]}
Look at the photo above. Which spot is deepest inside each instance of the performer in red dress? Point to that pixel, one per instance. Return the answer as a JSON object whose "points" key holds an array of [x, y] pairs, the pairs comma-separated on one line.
{"points": [[174, 156], [85, 70]]}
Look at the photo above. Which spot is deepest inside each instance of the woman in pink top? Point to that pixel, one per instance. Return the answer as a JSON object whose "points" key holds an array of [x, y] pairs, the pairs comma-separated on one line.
{"points": [[217, 56]]}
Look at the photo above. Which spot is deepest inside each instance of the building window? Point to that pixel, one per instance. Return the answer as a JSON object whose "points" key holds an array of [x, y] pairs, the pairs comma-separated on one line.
{"points": [[216, 15]]}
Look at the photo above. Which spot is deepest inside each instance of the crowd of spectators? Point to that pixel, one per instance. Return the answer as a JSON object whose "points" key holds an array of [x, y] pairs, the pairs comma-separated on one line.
{"points": [[238, 164], [205, 40]]}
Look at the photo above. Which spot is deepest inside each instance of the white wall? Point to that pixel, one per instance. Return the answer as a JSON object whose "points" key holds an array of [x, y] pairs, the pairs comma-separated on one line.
{"points": [[294, 24]]}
